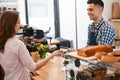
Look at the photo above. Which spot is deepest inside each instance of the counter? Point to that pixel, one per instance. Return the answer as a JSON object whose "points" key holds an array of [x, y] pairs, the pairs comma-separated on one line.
{"points": [[51, 71]]}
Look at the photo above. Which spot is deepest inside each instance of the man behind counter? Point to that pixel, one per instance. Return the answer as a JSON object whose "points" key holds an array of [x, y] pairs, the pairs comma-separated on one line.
{"points": [[100, 31]]}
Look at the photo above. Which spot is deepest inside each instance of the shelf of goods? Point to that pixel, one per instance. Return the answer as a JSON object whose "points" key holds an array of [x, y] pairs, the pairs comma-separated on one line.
{"points": [[8, 5]]}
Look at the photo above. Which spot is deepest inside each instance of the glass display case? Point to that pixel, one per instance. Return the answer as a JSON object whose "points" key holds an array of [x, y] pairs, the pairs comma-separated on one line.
{"points": [[92, 69]]}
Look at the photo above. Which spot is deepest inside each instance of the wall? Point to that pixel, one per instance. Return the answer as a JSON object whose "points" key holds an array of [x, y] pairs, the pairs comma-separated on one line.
{"points": [[68, 20]]}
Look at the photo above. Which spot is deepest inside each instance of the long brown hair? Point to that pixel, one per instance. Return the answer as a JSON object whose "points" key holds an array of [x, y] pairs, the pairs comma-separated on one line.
{"points": [[2, 73], [8, 22]]}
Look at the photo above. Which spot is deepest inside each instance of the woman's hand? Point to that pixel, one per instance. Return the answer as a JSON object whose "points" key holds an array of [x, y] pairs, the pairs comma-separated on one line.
{"points": [[58, 53]]}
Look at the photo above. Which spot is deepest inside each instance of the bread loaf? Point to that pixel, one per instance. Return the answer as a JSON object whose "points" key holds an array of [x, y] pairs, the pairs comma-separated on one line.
{"points": [[91, 50], [110, 58], [82, 53]]}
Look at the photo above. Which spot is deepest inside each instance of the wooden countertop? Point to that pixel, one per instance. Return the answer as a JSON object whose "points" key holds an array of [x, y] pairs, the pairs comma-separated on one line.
{"points": [[51, 71]]}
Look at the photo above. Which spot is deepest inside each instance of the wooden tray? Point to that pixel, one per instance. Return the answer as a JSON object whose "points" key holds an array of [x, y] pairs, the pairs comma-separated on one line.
{"points": [[75, 55]]}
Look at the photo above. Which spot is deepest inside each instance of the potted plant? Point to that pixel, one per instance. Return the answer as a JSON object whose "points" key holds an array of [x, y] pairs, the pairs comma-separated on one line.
{"points": [[42, 50]]}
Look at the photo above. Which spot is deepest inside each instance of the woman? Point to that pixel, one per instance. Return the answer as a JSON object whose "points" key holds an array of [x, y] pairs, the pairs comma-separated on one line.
{"points": [[14, 57]]}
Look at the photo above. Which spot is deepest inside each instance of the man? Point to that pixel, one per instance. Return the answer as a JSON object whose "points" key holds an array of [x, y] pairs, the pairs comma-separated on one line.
{"points": [[100, 31]]}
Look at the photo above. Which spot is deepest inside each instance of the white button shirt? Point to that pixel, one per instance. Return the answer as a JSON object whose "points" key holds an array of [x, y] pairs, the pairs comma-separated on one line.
{"points": [[16, 60]]}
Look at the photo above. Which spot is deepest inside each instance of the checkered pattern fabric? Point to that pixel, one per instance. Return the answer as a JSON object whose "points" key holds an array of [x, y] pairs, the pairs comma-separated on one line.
{"points": [[104, 31]]}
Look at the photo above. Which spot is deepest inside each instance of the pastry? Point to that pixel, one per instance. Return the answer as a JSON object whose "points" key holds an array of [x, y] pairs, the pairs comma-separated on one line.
{"points": [[98, 70], [116, 53], [110, 58], [99, 54]]}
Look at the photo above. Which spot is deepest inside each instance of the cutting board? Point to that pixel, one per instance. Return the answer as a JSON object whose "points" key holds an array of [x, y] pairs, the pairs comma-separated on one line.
{"points": [[75, 55]]}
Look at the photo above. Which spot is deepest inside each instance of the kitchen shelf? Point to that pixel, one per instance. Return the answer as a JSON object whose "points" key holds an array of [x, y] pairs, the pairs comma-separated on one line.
{"points": [[117, 20], [8, 5]]}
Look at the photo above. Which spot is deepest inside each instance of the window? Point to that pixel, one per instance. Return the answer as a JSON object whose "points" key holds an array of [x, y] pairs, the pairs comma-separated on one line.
{"points": [[41, 15], [38, 8]]}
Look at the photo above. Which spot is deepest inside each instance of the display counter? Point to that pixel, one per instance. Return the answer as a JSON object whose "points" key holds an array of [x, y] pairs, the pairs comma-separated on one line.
{"points": [[59, 68], [113, 69]]}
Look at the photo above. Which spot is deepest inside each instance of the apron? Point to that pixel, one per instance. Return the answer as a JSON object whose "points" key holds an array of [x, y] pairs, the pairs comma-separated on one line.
{"points": [[93, 37]]}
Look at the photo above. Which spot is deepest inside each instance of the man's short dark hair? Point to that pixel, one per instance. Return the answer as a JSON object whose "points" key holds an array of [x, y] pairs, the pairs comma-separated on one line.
{"points": [[96, 2]]}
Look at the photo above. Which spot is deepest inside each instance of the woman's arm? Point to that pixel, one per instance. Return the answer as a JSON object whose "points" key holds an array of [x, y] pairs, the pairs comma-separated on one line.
{"points": [[44, 61]]}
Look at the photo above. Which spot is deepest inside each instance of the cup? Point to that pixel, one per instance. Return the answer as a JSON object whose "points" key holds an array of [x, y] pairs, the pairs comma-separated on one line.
{"points": [[35, 55]]}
